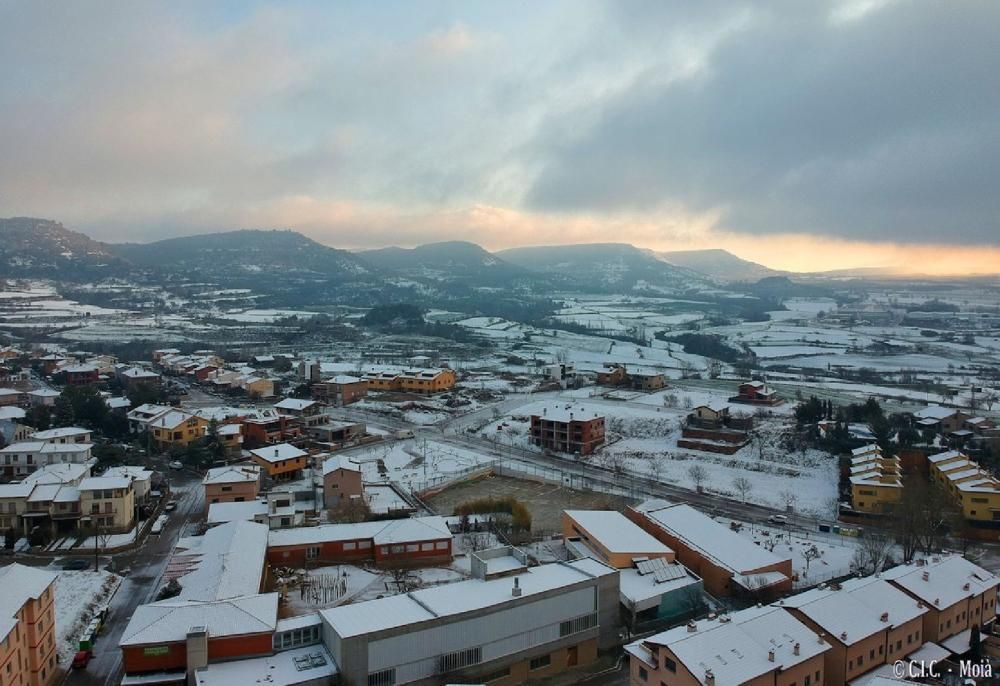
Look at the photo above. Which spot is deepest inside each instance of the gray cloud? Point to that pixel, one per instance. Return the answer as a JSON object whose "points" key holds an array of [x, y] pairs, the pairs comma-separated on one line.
{"points": [[884, 127]]}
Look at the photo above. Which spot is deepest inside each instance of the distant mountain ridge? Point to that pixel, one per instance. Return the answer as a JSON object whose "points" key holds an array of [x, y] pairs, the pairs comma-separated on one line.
{"points": [[719, 264], [448, 261], [41, 247], [618, 267]]}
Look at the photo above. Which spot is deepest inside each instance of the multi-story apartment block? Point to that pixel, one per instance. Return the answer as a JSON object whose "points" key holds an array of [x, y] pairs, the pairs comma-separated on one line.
{"points": [[107, 503], [567, 430], [876, 485], [27, 626]]}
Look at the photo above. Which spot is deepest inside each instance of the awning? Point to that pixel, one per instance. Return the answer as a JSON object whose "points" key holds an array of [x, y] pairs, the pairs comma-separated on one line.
{"points": [[755, 582], [959, 643]]}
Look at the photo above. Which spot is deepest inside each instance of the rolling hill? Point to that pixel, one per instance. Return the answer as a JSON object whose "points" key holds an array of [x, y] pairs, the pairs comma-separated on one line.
{"points": [[718, 264]]}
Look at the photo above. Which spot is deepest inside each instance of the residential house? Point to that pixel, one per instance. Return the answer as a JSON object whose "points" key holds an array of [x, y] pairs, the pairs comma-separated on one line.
{"points": [[282, 461], [423, 381], [341, 479], [27, 626], [48, 498], [563, 428], [137, 376], [943, 420], [43, 396], [867, 622], [336, 433], [177, 428], [256, 386], [712, 415], [64, 435], [141, 478], [756, 393], [309, 413], [141, 417], [20, 459], [231, 484], [81, 375], [340, 390], [759, 646], [975, 491], [729, 564], [956, 594], [107, 503], [10, 396], [268, 426], [612, 374]]}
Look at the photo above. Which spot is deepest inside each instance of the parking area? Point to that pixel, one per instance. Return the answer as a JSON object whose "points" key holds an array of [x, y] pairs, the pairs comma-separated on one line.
{"points": [[545, 501]]}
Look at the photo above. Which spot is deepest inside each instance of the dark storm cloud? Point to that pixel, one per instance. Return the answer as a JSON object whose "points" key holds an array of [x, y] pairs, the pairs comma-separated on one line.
{"points": [[883, 126]]}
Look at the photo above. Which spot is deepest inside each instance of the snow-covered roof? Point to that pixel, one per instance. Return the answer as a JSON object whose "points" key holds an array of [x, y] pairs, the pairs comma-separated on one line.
{"points": [[310, 664], [130, 472], [10, 412], [59, 473], [148, 411], [343, 379], [279, 453], [44, 447], [703, 534], [860, 608], [413, 529], [336, 462], [172, 419], [44, 393], [295, 404], [232, 474], [230, 562], [944, 457], [100, 483], [140, 373], [616, 533], [20, 583], [871, 448], [735, 648], [117, 403], [169, 621], [642, 591], [566, 412], [935, 412], [61, 432], [221, 513], [948, 580], [80, 369], [457, 598]]}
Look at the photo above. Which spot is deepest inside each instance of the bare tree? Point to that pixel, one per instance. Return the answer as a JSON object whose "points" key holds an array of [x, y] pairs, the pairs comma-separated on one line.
{"points": [[655, 467], [810, 554], [789, 498], [743, 486], [402, 580], [698, 476], [872, 555]]}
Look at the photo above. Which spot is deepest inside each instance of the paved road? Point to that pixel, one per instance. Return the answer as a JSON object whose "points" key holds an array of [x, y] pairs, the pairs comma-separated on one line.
{"points": [[147, 566]]}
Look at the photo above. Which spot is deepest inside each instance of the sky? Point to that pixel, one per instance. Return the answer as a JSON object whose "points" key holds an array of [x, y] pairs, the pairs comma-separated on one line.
{"points": [[803, 135]]}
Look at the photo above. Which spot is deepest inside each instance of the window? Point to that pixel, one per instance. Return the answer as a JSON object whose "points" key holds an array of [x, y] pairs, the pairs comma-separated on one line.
{"points": [[577, 625], [669, 664], [425, 547], [871, 655], [441, 545], [387, 677], [540, 662], [396, 549], [643, 674], [351, 546], [808, 680], [312, 552], [412, 547], [459, 659], [364, 545], [226, 489], [295, 638], [499, 674]]}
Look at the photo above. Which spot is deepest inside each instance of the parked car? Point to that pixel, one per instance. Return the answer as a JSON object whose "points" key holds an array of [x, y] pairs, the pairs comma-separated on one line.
{"points": [[76, 563], [176, 464], [170, 506], [82, 659], [779, 520]]}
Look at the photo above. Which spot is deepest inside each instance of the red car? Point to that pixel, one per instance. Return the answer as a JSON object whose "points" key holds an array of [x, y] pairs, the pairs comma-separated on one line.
{"points": [[82, 659]]}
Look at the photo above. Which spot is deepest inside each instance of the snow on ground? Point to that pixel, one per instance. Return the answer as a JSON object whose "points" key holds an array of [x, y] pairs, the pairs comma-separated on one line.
{"points": [[109, 541], [831, 558], [328, 587], [78, 595], [416, 464]]}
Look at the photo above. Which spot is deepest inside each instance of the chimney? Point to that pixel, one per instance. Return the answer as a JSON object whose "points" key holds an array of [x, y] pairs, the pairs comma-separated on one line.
{"points": [[709, 678], [937, 601], [965, 586], [276, 452], [516, 591], [926, 576], [692, 627], [796, 648], [770, 655], [884, 617], [820, 636], [843, 636], [196, 648]]}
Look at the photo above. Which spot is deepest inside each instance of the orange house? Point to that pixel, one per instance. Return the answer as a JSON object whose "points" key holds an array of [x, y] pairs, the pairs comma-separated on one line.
{"points": [[27, 626], [232, 484], [282, 461], [612, 536]]}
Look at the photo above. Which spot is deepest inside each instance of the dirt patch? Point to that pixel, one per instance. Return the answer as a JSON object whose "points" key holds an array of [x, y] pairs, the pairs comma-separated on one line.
{"points": [[545, 501]]}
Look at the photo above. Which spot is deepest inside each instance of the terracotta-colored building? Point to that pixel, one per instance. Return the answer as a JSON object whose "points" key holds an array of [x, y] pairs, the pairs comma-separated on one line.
{"points": [[756, 393], [341, 480], [760, 646], [340, 390], [81, 375], [423, 381], [957, 594], [567, 430], [27, 626], [232, 484], [729, 564], [867, 622], [399, 542]]}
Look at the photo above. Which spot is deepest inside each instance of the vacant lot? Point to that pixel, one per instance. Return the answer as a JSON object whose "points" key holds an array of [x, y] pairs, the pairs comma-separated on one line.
{"points": [[545, 501]]}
